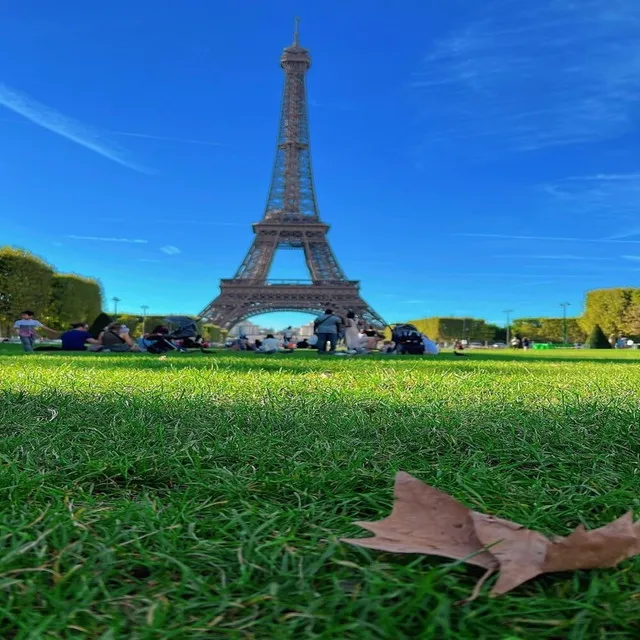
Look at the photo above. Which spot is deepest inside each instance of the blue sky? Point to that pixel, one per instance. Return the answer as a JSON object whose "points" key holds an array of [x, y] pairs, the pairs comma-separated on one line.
{"points": [[469, 156]]}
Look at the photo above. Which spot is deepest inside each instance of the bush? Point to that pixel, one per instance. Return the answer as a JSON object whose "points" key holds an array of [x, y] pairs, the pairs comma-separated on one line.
{"points": [[597, 339], [73, 299], [25, 283]]}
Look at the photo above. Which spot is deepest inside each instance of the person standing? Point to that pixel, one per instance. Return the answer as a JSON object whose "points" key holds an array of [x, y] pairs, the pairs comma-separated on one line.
{"points": [[352, 334], [327, 327], [27, 330]]}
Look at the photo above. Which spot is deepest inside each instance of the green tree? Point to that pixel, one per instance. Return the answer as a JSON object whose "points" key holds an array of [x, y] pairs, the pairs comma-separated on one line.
{"points": [[25, 283], [598, 339], [73, 299], [608, 308], [527, 328], [455, 328], [213, 333]]}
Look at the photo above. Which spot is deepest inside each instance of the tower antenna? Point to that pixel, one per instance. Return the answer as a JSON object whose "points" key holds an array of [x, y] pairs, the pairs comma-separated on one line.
{"points": [[296, 32]]}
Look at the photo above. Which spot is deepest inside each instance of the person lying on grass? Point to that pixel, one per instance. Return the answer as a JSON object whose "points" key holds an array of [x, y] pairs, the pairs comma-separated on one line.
{"points": [[113, 339]]}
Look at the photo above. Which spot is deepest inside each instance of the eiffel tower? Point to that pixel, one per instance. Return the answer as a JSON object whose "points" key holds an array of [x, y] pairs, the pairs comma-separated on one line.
{"points": [[291, 221]]}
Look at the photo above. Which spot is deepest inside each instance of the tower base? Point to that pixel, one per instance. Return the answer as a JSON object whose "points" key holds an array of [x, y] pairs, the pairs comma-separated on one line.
{"points": [[240, 299]]}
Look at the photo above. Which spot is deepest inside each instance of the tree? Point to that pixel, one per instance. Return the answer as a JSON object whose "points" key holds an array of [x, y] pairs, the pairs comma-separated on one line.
{"points": [[73, 299], [213, 333], [598, 339], [455, 329], [25, 283], [608, 308]]}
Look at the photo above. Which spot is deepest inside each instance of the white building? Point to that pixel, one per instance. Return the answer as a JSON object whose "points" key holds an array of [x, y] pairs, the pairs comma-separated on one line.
{"points": [[249, 329], [306, 330]]}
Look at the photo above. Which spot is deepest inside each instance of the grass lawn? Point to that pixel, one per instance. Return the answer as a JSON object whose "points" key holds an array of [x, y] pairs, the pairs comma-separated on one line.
{"points": [[203, 495]]}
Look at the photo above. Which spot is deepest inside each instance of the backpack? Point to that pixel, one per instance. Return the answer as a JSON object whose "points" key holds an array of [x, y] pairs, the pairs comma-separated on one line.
{"points": [[408, 339]]}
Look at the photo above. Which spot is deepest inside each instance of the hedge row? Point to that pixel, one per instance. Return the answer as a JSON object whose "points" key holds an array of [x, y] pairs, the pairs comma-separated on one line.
{"points": [[27, 282]]}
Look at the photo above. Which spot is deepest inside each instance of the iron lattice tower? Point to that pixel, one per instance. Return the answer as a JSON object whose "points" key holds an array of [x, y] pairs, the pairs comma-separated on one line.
{"points": [[291, 221]]}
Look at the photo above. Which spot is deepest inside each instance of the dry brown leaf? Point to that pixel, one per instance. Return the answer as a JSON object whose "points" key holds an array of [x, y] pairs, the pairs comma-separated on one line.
{"points": [[520, 551], [596, 549], [426, 520]]}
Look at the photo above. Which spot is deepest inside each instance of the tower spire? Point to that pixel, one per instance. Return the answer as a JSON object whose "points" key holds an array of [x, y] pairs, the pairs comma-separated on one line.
{"points": [[296, 32]]}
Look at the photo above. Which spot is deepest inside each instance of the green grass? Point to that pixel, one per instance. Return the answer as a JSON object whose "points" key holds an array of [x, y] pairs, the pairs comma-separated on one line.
{"points": [[204, 495]]}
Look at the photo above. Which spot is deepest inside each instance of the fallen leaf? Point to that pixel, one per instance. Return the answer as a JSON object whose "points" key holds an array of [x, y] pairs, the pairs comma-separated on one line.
{"points": [[520, 551], [426, 520], [596, 549]]}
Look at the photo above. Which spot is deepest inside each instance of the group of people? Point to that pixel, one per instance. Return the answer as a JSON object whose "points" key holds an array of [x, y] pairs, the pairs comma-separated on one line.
{"points": [[329, 330], [114, 337], [518, 342]]}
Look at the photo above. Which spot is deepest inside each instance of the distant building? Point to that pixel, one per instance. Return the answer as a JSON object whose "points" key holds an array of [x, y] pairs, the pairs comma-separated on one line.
{"points": [[249, 329], [306, 330]]}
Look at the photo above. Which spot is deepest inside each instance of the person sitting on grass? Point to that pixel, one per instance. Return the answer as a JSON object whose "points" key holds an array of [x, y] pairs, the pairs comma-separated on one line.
{"points": [[77, 337], [112, 339], [156, 341], [270, 345], [27, 330]]}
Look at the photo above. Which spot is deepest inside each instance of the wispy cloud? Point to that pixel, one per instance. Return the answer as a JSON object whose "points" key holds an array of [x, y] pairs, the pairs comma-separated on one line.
{"points": [[631, 232], [562, 257], [204, 223], [64, 126], [101, 239], [170, 250], [415, 301], [611, 196], [167, 138], [633, 258], [147, 260], [506, 236], [536, 75]]}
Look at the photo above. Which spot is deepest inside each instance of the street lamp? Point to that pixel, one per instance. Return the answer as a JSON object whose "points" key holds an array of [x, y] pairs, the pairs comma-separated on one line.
{"points": [[144, 308], [115, 306], [508, 312], [564, 306]]}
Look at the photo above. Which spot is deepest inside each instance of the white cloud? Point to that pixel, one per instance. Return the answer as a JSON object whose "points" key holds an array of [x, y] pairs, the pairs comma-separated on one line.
{"points": [[167, 138], [64, 126], [532, 75], [506, 236], [633, 258], [101, 239], [520, 256], [615, 197], [170, 250]]}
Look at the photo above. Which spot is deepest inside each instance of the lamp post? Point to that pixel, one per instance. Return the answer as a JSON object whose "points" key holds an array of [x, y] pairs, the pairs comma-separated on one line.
{"points": [[508, 312], [144, 308], [564, 306], [115, 306]]}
